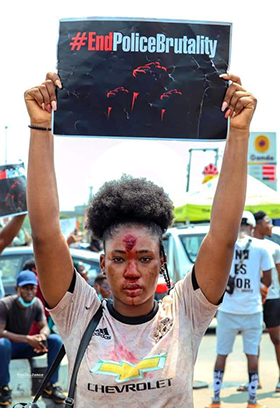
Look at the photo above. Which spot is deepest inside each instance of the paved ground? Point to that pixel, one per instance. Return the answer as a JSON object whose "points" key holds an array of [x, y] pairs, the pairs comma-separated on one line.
{"points": [[236, 373]]}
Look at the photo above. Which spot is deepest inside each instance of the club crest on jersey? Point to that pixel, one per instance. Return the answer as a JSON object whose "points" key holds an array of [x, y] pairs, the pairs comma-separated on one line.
{"points": [[125, 371]]}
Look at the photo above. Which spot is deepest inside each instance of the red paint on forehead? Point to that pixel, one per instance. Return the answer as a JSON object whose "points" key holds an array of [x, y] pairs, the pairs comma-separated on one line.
{"points": [[129, 242]]}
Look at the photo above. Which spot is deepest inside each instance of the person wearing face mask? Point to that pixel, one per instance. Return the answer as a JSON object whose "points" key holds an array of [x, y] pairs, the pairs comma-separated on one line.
{"points": [[17, 314]]}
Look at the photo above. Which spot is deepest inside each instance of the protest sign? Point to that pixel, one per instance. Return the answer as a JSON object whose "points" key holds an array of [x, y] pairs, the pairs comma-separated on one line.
{"points": [[142, 78], [12, 189], [68, 226]]}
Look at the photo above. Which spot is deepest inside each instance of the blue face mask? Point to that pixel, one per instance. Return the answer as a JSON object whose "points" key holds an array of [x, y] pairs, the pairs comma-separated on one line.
{"points": [[25, 304]]}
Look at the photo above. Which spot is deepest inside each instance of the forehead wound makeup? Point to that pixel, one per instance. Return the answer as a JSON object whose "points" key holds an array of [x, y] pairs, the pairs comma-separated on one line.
{"points": [[129, 242]]}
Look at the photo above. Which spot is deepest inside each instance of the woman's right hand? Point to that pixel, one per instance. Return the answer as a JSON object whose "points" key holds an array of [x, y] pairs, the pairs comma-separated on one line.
{"points": [[41, 99]]}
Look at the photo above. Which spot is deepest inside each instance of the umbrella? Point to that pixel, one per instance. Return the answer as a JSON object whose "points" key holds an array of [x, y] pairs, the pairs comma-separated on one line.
{"points": [[197, 205]]}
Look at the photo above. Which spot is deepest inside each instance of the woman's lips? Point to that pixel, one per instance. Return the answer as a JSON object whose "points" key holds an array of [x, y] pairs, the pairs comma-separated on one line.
{"points": [[132, 289]]}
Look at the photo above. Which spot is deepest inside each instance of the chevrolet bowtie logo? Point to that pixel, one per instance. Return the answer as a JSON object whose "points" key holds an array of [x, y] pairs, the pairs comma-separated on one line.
{"points": [[125, 371]]}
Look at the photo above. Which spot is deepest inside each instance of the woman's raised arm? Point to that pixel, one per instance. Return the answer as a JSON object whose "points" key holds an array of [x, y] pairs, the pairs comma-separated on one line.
{"points": [[52, 256], [215, 255]]}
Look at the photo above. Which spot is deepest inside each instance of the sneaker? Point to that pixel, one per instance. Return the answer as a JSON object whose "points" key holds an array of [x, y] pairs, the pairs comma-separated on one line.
{"points": [[55, 393], [214, 404], [255, 405], [5, 396]]}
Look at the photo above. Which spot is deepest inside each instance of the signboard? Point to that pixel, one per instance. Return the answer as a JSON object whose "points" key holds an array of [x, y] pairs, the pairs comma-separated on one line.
{"points": [[12, 189], [142, 78], [262, 157], [68, 226], [209, 173]]}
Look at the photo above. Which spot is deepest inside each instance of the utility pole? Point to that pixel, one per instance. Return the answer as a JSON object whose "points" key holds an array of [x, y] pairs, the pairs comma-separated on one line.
{"points": [[6, 143]]}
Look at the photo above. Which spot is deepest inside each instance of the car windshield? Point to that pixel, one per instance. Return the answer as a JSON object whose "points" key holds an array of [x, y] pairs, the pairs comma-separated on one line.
{"points": [[9, 269], [191, 244]]}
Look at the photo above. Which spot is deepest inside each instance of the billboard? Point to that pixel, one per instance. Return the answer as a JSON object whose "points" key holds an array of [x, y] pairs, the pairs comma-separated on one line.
{"points": [[262, 157]]}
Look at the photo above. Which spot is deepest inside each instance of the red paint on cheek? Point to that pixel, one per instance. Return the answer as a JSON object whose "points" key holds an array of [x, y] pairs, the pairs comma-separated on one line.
{"points": [[129, 242]]}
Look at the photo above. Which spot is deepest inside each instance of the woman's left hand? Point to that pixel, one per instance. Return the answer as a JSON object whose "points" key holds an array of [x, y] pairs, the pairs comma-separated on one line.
{"points": [[238, 103]]}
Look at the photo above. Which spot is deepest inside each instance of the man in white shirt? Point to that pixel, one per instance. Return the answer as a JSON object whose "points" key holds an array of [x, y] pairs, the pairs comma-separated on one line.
{"points": [[241, 311], [271, 308]]}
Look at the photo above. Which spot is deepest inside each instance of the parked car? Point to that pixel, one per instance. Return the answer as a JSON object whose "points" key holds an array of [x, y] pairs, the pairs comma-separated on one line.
{"points": [[182, 245], [12, 260]]}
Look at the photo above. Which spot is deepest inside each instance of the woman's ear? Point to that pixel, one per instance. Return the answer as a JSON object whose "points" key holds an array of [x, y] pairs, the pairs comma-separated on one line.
{"points": [[102, 263]]}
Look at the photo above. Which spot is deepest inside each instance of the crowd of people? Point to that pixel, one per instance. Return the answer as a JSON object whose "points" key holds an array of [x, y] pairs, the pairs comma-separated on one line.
{"points": [[143, 352]]}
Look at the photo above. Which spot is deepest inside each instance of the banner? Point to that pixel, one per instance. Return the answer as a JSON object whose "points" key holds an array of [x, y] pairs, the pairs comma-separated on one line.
{"points": [[12, 189], [262, 157], [142, 78]]}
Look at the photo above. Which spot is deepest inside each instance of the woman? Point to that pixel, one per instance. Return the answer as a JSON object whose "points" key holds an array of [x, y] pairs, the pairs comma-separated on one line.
{"points": [[142, 354]]}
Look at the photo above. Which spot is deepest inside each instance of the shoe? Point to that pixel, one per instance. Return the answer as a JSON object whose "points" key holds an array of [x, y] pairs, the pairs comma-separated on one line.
{"points": [[255, 405], [55, 393], [277, 388], [214, 404], [5, 396]]}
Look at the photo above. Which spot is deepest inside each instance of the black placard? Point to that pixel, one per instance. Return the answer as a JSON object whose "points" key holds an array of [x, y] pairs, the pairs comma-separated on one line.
{"points": [[12, 190], [142, 78]]}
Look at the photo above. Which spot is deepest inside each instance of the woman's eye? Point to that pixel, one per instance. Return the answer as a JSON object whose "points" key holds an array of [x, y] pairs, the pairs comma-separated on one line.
{"points": [[145, 259], [118, 260]]}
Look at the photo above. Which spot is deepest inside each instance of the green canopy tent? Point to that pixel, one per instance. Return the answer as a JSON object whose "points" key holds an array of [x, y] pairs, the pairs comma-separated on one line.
{"points": [[197, 205]]}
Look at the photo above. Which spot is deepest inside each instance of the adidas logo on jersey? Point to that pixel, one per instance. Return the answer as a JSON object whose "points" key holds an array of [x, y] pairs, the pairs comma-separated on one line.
{"points": [[102, 333]]}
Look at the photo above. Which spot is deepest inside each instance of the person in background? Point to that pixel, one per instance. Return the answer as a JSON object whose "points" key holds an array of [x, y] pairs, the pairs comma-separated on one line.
{"points": [[95, 245], [80, 268], [7, 234], [30, 265], [17, 313], [271, 307], [102, 287], [241, 309]]}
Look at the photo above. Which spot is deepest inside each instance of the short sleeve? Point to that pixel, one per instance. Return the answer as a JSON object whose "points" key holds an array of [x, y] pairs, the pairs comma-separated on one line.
{"points": [[266, 260], [277, 254], [75, 309], [196, 307], [3, 313], [40, 314]]}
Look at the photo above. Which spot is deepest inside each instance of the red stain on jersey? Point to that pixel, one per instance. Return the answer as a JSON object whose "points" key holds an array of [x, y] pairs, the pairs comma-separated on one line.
{"points": [[129, 242]]}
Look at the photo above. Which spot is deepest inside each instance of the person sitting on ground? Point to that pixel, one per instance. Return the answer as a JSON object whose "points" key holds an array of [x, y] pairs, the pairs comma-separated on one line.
{"points": [[7, 235], [102, 287], [17, 313], [149, 346]]}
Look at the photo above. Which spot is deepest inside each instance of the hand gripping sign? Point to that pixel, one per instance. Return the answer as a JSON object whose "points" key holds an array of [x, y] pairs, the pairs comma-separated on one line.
{"points": [[12, 190], [142, 78]]}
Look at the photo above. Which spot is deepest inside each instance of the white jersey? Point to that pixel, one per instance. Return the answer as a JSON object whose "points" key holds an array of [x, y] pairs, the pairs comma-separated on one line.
{"points": [[246, 298], [142, 362], [274, 288]]}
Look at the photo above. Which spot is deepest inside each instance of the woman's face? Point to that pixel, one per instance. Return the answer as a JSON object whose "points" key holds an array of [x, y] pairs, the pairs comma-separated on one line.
{"points": [[132, 264]]}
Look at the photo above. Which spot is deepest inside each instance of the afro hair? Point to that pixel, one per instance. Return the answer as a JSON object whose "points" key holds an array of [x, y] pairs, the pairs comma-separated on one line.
{"points": [[129, 200]]}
